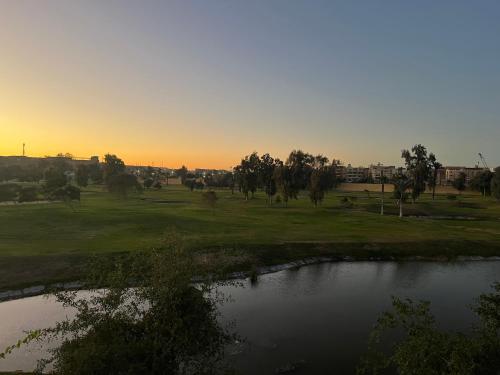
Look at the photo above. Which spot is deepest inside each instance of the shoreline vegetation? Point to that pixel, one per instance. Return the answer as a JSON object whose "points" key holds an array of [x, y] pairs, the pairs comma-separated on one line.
{"points": [[47, 244]]}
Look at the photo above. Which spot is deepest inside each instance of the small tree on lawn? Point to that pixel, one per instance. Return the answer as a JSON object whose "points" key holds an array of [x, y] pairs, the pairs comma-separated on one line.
{"points": [[401, 184], [459, 182]]}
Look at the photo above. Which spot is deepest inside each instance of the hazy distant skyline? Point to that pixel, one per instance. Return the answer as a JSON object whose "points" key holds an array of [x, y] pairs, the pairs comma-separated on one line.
{"points": [[204, 83]]}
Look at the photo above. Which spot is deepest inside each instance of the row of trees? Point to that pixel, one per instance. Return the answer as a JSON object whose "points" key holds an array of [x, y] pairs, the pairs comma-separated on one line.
{"points": [[300, 171]]}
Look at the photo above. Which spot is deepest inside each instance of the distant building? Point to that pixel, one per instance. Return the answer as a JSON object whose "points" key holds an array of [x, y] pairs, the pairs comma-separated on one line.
{"points": [[452, 173], [378, 170], [355, 174]]}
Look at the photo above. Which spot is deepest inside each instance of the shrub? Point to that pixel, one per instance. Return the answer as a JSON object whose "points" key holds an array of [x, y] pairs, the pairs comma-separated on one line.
{"points": [[451, 197], [28, 194], [8, 192]]}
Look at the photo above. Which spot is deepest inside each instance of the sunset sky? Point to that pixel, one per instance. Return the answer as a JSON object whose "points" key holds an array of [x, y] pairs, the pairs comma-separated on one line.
{"points": [[203, 83]]}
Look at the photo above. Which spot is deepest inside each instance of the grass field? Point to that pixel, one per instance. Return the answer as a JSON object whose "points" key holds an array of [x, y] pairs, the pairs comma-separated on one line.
{"points": [[48, 242]]}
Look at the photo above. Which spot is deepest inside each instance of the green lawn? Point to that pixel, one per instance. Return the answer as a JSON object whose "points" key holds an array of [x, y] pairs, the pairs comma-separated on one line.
{"points": [[47, 242]]}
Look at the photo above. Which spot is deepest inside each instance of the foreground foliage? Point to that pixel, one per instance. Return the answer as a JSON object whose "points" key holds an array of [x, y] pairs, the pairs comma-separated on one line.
{"points": [[163, 325], [424, 349]]}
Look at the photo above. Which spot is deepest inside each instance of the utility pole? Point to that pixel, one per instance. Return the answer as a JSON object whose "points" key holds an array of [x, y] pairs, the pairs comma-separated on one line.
{"points": [[24, 144]]}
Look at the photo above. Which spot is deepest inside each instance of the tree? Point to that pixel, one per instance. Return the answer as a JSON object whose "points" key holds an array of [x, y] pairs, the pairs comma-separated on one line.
{"points": [[9, 192], [283, 181], [459, 182], [148, 182], [82, 175], [266, 171], [320, 178], [383, 180], [435, 167], [163, 325], [28, 194], [421, 348], [316, 186], [300, 165], [122, 183], [495, 184], [112, 166], [417, 165], [66, 193], [182, 173], [248, 174], [95, 173], [482, 182], [401, 184], [55, 177]]}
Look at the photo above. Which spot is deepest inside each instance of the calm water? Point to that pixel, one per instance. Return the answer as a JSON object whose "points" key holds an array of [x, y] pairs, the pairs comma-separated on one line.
{"points": [[319, 314]]}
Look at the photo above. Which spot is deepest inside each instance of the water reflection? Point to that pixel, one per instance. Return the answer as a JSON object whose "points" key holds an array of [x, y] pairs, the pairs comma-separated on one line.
{"points": [[319, 315]]}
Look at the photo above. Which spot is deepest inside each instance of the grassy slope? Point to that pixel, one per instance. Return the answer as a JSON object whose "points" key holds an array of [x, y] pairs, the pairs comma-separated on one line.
{"points": [[47, 242]]}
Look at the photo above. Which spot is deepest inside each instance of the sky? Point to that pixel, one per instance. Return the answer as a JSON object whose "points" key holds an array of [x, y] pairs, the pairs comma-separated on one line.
{"points": [[203, 83]]}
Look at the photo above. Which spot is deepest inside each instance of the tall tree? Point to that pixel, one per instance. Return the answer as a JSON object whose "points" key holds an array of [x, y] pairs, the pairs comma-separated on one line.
{"points": [[417, 165], [401, 184], [95, 173], [482, 182], [435, 166], [113, 166], [459, 182], [383, 180], [266, 171], [300, 165], [317, 185], [283, 180], [182, 172], [82, 175], [495, 184], [248, 173]]}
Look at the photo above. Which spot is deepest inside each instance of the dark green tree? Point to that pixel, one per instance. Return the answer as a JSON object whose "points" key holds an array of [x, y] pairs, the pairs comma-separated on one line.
{"points": [[96, 173], [267, 165], [55, 177], [435, 166], [283, 180], [495, 184], [248, 174], [148, 182], [460, 182], [420, 348], [482, 182], [123, 183], [401, 184], [82, 175], [112, 166], [182, 173], [300, 165], [163, 325], [417, 165]]}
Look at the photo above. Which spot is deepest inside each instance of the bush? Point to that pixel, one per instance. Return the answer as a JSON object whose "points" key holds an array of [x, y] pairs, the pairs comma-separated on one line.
{"points": [[451, 197], [28, 194], [278, 199], [66, 193], [8, 192], [164, 325]]}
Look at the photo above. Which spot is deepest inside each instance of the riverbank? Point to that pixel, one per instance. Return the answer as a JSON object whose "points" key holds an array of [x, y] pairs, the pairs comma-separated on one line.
{"points": [[45, 244]]}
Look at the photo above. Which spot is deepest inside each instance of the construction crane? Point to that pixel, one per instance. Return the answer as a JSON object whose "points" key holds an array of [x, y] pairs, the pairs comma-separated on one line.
{"points": [[483, 160]]}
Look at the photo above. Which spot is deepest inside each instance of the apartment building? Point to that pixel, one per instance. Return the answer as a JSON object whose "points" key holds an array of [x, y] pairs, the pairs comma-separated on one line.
{"points": [[378, 170]]}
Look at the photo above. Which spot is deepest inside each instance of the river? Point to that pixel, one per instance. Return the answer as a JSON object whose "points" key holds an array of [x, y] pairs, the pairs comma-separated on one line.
{"points": [[318, 315]]}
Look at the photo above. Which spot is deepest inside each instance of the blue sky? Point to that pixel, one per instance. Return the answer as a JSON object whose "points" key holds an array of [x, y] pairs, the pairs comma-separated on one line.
{"points": [[206, 82]]}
